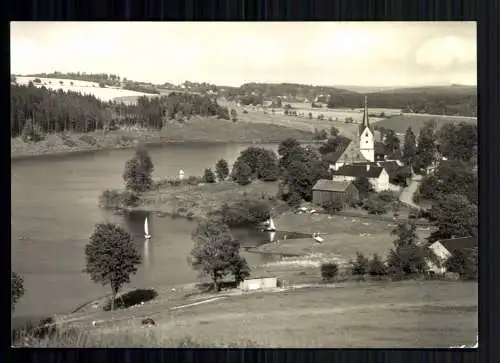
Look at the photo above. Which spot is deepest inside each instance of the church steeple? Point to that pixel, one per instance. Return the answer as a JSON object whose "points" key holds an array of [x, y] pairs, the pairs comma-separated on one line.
{"points": [[365, 114]]}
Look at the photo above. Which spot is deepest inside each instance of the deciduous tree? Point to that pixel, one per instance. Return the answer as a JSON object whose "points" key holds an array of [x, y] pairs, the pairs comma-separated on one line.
{"points": [[216, 253], [111, 257], [16, 289]]}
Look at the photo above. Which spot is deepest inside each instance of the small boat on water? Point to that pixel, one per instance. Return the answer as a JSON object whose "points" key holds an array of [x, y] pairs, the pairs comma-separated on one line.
{"points": [[317, 237], [270, 226], [146, 229]]}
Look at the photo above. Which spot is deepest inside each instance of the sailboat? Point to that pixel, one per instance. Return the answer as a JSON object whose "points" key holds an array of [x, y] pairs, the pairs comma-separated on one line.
{"points": [[146, 229], [270, 226], [317, 237]]}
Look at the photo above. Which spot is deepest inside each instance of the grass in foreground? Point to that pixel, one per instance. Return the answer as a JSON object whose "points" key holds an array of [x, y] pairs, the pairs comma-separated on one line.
{"points": [[378, 314]]}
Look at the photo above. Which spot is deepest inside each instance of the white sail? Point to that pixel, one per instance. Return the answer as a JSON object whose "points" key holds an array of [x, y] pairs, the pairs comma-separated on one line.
{"points": [[272, 236], [271, 226], [146, 228]]}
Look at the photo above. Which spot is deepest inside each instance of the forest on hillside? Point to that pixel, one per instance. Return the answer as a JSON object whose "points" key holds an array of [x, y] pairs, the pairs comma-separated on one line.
{"points": [[47, 111]]}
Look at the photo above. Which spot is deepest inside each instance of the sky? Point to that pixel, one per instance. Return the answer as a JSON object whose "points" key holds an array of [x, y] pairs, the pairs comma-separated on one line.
{"points": [[373, 54]]}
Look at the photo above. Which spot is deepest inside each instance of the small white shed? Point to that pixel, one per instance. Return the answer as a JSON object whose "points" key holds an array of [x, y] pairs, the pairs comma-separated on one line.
{"points": [[260, 283]]}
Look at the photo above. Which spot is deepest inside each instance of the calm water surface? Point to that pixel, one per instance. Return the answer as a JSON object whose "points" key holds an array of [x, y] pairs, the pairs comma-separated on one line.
{"points": [[54, 210]]}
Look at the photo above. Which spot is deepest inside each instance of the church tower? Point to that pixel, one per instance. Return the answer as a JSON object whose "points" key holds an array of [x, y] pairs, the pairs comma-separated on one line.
{"points": [[366, 136]]}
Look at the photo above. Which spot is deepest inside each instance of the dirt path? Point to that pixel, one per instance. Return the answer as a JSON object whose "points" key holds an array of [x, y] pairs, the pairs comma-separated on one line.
{"points": [[408, 192]]}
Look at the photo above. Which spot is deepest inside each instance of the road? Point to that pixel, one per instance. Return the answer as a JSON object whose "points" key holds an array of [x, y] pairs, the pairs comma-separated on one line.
{"points": [[408, 192]]}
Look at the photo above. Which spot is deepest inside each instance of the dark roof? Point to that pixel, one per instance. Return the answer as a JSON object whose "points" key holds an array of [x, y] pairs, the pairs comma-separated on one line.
{"points": [[464, 244], [358, 170], [343, 144], [393, 168], [379, 148], [330, 185]]}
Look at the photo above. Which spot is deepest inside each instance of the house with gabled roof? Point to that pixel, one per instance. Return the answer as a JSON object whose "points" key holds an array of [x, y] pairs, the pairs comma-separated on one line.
{"points": [[377, 175], [445, 248]]}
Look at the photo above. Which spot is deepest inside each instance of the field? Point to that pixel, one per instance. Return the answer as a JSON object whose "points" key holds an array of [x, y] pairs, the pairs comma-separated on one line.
{"points": [[401, 123], [104, 94], [259, 130], [343, 237], [414, 314]]}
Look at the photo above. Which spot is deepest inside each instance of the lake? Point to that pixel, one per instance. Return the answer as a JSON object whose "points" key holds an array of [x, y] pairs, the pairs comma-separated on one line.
{"points": [[54, 210]]}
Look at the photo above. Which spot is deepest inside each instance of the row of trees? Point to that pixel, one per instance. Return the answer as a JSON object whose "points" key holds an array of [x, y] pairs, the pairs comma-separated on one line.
{"points": [[39, 110]]}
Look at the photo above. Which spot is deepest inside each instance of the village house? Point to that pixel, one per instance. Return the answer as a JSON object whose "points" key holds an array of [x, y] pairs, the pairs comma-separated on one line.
{"points": [[399, 174], [326, 190], [444, 249], [377, 175]]}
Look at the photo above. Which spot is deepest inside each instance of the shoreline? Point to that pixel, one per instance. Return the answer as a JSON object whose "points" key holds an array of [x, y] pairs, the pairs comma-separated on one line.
{"points": [[54, 153]]}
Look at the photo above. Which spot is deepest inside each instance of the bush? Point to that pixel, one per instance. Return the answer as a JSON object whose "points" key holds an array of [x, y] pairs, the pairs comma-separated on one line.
{"points": [[376, 267], [222, 169], [376, 206], [115, 200], [333, 206], [360, 266], [243, 212], [193, 180], [329, 271], [462, 264], [131, 298], [89, 140], [387, 196], [209, 176]]}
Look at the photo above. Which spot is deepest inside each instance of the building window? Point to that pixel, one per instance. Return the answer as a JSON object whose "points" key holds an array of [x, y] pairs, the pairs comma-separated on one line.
{"points": [[366, 142]]}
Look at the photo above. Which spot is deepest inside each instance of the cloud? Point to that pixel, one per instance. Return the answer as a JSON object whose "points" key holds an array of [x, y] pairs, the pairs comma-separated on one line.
{"points": [[445, 52]]}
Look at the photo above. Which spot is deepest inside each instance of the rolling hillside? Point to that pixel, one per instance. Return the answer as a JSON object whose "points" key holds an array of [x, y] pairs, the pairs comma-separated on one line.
{"points": [[401, 123]]}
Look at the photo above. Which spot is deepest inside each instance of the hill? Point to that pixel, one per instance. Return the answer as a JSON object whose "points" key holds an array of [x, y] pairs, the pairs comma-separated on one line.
{"points": [[436, 90], [401, 123]]}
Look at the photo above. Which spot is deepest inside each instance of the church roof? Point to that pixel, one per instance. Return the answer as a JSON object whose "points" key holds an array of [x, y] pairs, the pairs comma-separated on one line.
{"points": [[359, 170], [366, 122], [343, 144]]}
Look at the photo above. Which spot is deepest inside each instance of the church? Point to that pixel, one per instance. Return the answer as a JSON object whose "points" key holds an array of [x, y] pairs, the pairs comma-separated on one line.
{"points": [[364, 148]]}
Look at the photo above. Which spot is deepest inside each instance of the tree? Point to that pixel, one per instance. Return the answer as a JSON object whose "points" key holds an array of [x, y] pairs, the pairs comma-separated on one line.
{"points": [[111, 257], [333, 206], [462, 263], [376, 266], [216, 253], [364, 186], [137, 173], [234, 115], [263, 163], [455, 216], [334, 132], [240, 270], [360, 265], [209, 176], [222, 169], [285, 150], [310, 115], [16, 289], [458, 142], [410, 147], [241, 173], [31, 131], [407, 256], [392, 145], [329, 271], [426, 148]]}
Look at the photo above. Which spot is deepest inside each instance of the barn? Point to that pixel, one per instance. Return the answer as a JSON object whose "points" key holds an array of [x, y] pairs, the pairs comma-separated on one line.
{"points": [[326, 190]]}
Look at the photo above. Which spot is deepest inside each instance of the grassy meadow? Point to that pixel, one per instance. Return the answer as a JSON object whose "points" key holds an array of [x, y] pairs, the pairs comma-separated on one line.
{"points": [[401, 123], [430, 314]]}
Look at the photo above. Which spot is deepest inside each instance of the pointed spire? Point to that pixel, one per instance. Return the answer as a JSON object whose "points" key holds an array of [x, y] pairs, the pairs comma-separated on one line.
{"points": [[365, 113]]}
